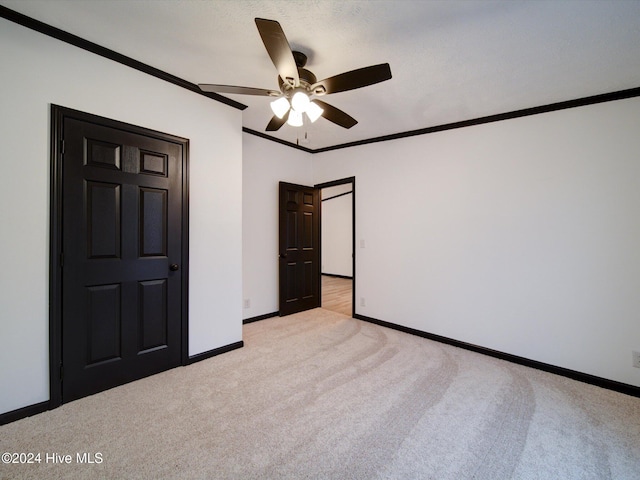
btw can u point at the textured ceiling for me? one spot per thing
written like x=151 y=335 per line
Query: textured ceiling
x=451 y=60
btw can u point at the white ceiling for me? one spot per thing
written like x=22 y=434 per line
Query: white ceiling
x=451 y=60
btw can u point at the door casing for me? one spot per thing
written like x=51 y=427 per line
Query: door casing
x=58 y=115
x=334 y=183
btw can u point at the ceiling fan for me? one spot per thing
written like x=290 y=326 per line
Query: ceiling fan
x=298 y=86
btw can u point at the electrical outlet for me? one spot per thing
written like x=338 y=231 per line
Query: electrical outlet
x=247 y=303
x=362 y=302
x=636 y=359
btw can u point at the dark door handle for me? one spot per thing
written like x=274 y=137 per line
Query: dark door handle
x=174 y=267
x=283 y=255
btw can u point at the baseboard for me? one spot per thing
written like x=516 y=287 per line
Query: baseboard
x=260 y=317
x=198 y=357
x=337 y=276
x=564 y=372
x=37 y=408
x=23 y=412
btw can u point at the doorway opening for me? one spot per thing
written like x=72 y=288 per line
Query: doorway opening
x=338 y=262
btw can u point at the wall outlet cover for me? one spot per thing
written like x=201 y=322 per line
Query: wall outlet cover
x=636 y=358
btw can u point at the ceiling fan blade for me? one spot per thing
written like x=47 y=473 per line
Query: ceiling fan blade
x=279 y=50
x=335 y=115
x=208 y=87
x=275 y=123
x=358 y=78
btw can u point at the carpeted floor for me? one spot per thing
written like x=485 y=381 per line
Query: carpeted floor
x=322 y=395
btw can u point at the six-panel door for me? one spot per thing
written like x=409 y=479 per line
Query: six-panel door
x=122 y=230
x=299 y=255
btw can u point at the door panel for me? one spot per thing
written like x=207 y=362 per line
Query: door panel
x=153 y=222
x=103 y=323
x=121 y=231
x=153 y=314
x=103 y=212
x=299 y=248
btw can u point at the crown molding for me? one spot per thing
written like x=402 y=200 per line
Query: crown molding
x=54 y=32
x=79 y=42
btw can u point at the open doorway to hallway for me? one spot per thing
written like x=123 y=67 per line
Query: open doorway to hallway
x=337 y=253
x=337 y=294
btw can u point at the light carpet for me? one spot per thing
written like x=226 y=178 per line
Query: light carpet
x=321 y=395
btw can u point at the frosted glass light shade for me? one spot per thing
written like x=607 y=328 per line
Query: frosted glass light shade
x=300 y=102
x=314 y=111
x=280 y=107
x=295 y=118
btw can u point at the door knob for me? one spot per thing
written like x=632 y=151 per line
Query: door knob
x=283 y=255
x=174 y=267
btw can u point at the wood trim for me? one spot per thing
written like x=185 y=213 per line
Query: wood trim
x=58 y=114
x=276 y=140
x=55 y=259
x=564 y=372
x=79 y=42
x=552 y=107
x=23 y=412
x=260 y=317
x=335 y=183
x=185 y=250
x=335 y=275
x=37 y=408
x=198 y=357
x=336 y=196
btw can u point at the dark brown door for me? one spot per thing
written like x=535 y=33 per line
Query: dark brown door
x=299 y=248
x=121 y=243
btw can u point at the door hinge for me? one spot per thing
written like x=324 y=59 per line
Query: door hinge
x=61 y=260
x=62 y=146
x=61 y=372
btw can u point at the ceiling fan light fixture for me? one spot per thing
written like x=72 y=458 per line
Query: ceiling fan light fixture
x=297 y=85
x=314 y=111
x=295 y=118
x=280 y=107
x=300 y=101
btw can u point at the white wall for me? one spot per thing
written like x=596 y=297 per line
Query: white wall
x=38 y=71
x=520 y=236
x=265 y=164
x=337 y=230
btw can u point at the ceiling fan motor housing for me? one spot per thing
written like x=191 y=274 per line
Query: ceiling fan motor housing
x=307 y=78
